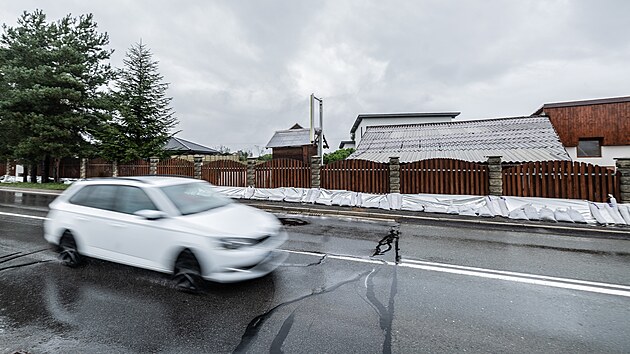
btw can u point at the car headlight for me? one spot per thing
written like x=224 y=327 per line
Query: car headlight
x=234 y=243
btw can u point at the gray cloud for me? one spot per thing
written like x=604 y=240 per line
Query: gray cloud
x=239 y=70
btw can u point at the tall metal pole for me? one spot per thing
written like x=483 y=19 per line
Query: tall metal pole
x=321 y=131
x=312 y=133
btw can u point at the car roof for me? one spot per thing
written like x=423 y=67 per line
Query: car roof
x=146 y=180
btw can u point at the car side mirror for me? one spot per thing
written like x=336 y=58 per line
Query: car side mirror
x=150 y=214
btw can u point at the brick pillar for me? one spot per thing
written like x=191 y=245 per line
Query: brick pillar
x=115 y=169
x=83 y=169
x=623 y=167
x=495 y=176
x=153 y=161
x=198 y=159
x=315 y=171
x=251 y=172
x=8 y=168
x=394 y=174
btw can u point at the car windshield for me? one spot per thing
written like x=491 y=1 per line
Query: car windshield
x=191 y=198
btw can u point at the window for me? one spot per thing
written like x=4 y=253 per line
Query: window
x=101 y=197
x=131 y=199
x=191 y=198
x=589 y=147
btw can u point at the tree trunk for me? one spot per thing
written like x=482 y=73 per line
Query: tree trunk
x=45 y=172
x=34 y=173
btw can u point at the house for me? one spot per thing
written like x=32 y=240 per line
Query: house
x=516 y=140
x=364 y=121
x=295 y=143
x=595 y=131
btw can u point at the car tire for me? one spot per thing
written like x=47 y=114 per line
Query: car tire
x=187 y=273
x=68 y=252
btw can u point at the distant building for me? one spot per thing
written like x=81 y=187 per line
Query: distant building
x=364 y=121
x=295 y=143
x=515 y=139
x=594 y=131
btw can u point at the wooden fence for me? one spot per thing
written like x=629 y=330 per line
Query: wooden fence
x=3 y=169
x=283 y=173
x=561 y=179
x=225 y=173
x=444 y=176
x=356 y=175
x=175 y=166
x=98 y=168
x=134 y=168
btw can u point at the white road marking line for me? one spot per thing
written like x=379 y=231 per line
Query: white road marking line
x=24 y=216
x=564 y=283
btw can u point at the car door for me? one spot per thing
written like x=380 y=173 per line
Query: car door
x=143 y=242
x=93 y=220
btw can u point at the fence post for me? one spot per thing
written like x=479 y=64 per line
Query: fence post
x=83 y=169
x=251 y=172
x=495 y=176
x=394 y=174
x=623 y=167
x=115 y=169
x=198 y=159
x=153 y=161
x=315 y=171
x=7 y=171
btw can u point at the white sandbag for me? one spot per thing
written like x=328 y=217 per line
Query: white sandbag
x=531 y=212
x=394 y=200
x=384 y=203
x=598 y=215
x=249 y=192
x=231 y=192
x=546 y=214
x=503 y=207
x=485 y=212
x=562 y=215
x=294 y=195
x=466 y=210
x=311 y=195
x=494 y=209
x=432 y=208
x=372 y=200
x=576 y=216
x=410 y=203
x=624 y=210
x=614 y=213
x=344 y=198
x=276 y=194
x=518 y=214
x=452 y=209
x=325 y=197
x=261 y=194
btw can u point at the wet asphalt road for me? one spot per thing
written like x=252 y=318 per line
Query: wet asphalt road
x=349 y=285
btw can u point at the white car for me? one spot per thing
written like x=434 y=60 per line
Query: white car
x=167 y=224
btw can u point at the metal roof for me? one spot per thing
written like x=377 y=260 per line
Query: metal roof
x=360 y=117
x=517 y=139
x=292 y=137
x=183 y=146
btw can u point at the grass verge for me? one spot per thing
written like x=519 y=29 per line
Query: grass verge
x=49 y=186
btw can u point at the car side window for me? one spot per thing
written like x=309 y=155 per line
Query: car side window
x=131 y=199
x=101 y=197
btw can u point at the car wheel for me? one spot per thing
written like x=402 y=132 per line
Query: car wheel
x=68 y=254
x=187 y=273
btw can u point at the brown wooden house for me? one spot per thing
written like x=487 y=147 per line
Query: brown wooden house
x=294 y=143
x=594 y=131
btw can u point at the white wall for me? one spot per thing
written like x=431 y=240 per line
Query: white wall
x=609 y=153
x=369 y=122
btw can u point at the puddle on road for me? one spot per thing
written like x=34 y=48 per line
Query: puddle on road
x=293 y=221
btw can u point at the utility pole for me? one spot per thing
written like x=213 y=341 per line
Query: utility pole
x=320 y=142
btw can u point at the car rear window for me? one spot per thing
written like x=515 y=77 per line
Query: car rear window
x=101 y=197
x=192 y=198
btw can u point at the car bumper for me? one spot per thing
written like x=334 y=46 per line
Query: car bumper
x=230 y=275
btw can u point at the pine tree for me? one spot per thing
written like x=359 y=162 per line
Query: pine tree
x=144 y=118
x=52 y=77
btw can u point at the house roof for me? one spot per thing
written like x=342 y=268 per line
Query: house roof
x=583 y=103
x=183 y=147
x=360 y=117
x=292 y=137
x=516 y=139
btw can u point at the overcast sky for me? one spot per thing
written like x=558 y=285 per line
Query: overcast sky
x=240 y=70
